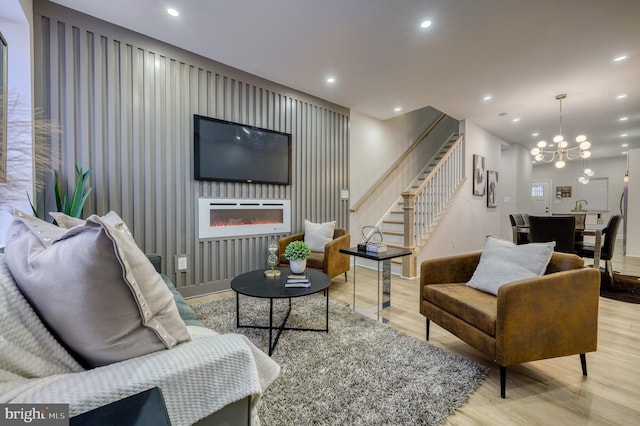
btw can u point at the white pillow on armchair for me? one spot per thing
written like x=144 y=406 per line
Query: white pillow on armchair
x=317 y=235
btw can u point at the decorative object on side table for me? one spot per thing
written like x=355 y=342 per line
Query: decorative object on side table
x=372 y=240
x=272 y=260
x=297 y=252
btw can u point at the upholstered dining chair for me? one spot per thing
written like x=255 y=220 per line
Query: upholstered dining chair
x=561 y=229
x=584 y=249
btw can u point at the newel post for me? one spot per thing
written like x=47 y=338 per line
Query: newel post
x=409 y=267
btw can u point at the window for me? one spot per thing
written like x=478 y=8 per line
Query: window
x=537 y=190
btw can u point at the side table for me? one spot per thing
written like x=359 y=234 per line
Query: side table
x=384 y=260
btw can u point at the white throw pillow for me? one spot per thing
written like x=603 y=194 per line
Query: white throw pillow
x=94 y=288
x=503 y=262
x=317 y=235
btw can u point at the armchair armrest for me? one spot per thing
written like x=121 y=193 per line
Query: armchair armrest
x=548 y=316
x=452 y=269
x=284 y=242
x=335 y=262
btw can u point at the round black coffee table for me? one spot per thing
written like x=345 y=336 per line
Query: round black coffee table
x=255 y=284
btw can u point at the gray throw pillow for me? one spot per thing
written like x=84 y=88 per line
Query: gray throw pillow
x=503 y=262
x=94 y=288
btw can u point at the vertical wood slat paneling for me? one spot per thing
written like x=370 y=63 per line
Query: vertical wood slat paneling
x=127 y=111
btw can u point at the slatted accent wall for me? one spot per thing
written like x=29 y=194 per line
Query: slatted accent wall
x=125 y=105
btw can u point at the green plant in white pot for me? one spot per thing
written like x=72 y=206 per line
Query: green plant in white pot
x=297 y=252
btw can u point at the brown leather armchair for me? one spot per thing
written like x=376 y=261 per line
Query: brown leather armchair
x=331 y=262
x=549 y=316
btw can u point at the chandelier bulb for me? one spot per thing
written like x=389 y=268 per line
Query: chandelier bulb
x=542 y=144
x=560 y=164
x=581 y=138
x=535 y=151
x=563 y=144
x=585 y=154
x=538 y=157
x=585 y=145
x=558 y=138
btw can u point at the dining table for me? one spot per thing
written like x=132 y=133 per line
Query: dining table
x=593 y=230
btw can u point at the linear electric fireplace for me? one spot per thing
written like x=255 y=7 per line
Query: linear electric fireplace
x=224 y=217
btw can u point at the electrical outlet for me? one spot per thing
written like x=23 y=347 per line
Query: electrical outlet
x=181 y=262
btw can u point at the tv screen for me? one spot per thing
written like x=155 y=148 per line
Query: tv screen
x=234 y=152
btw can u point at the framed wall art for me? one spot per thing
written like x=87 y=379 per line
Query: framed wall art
x=492 y=188
x=478 y=175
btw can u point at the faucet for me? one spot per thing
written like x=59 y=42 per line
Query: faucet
x=579 y=205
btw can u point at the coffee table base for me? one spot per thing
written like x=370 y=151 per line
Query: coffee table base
x=273 y=342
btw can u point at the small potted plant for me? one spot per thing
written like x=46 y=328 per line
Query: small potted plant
x=297 y=252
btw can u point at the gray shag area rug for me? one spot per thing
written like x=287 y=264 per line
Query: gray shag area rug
x=360 y=373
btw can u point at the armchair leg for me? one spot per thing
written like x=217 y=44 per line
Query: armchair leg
x=427 y=329
x=583 y=361
x=503 y=381
x=345 y=277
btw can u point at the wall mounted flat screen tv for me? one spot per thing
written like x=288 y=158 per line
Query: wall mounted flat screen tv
x=233 y=152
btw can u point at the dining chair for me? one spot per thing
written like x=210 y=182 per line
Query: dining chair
x=585 y=249
x=517 y=220
x=561 y=229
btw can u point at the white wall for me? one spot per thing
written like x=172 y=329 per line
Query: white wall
x=515 y=184
x=374 y=147
x=633 y=206
x=469 y=220
x=613 y=168
x=14 y=25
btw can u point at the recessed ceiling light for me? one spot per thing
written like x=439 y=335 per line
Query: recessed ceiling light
x=173 y=12
x=624 y=152
x=624 y=145
x=625 y=118
x=621 y=96
x=331 y=80
x=487 y=98
x=620 y=58
x=535 y=134
x=397 y=109
x=624 y=135
x=515 y=120
x=425 y=24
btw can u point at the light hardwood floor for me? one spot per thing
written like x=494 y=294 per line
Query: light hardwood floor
x=547 y=392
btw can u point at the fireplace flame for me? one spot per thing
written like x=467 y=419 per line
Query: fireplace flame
x=243 y=222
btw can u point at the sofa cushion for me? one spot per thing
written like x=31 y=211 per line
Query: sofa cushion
x=503 y=262
x=472 y=306
x=94 y=288
x=317 y=235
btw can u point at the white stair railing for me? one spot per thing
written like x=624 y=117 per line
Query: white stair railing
x=425 y=204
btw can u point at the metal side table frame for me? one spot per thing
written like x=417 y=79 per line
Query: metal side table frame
x=383 y=259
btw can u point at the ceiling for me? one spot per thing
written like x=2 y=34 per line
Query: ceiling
x=522 y=53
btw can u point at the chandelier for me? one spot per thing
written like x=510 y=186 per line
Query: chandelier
x=562 y=151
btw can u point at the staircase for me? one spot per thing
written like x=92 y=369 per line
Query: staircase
x=414 y=216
